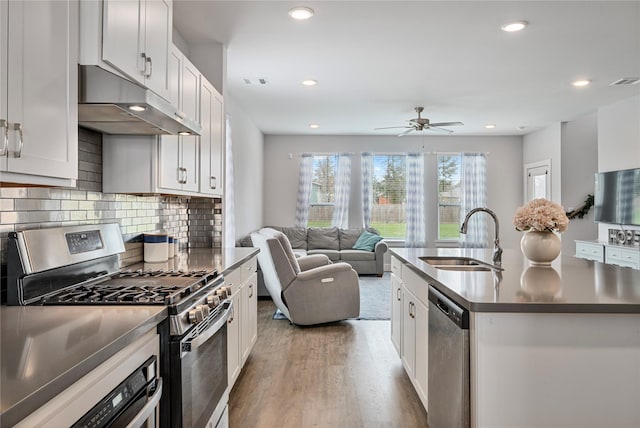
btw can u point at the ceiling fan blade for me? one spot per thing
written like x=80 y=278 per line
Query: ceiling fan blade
x=393 y=127
x=446 y=124
x=407 y=131
x=435 y=128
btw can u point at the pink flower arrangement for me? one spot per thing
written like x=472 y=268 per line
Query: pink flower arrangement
x=541 y=215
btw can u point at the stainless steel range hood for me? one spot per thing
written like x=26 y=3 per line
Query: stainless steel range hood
x=114 y=105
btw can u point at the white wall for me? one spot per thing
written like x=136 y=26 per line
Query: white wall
x=542 y=145
x=579 y=164
x=618 y=142
x=504 y=172
x=248 y=144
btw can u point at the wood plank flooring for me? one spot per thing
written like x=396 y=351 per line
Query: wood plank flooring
x=344 y=374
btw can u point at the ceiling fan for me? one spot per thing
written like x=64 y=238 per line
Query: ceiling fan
x=422 y=123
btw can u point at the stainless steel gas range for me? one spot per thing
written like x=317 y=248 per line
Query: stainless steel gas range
x=79 y=265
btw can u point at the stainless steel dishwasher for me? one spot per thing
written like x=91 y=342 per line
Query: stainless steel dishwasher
x=448 y=363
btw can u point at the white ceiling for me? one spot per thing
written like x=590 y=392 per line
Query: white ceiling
x=376 y=60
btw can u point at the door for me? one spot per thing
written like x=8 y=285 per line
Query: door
x=249 y=316
x=211 y=140
x=233 y=340
x=421 y=314
x=158 y=18
x=396 y=312
x=122 y=37
x=408 y=353
x=538 y=180
x=41 y=110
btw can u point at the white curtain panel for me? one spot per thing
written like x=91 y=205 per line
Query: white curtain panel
x=342 y=186
x=416 y=235
x=304 y=189
x=473 y=194
x=229 y=197
x=367 y=188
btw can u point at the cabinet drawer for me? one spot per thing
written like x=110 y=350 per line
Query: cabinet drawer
x=623 y=257
x=396 y=266
x=416 y=284
x=590 y=251
x=249 y=268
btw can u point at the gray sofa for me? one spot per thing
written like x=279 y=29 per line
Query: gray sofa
x=337 y=244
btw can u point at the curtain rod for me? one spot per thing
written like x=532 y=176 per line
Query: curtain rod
x=455 y=153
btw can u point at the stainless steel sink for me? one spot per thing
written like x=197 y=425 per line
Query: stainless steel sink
x=464 y=268
x=457 y=263
x=449 y=261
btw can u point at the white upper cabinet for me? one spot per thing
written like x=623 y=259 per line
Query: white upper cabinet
x=179 y=155
x=136 y=35
x=39 y=92
x=211 y=140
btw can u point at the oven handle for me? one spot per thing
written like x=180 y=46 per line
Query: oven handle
x=148 y=408
x=213 y=328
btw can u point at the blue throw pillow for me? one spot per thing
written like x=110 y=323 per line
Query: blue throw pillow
x=367 y=241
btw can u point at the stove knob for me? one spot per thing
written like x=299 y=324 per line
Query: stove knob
x=213 y=301
x=223 y=292
x=196 y=315
x=204 y=309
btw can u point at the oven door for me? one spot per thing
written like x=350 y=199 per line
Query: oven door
x=200 y=398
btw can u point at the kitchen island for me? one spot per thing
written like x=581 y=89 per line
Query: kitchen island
x=548 y=346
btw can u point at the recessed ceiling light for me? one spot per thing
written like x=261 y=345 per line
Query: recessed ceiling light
x=136 y=107
x=314 y=126
x=184 y=133
x=514 y=26
x=583 y=82
x=301 y=13
x=490 y=125
x=309 y=82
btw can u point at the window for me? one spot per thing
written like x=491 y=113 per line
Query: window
x=322 y=198
x=449 y=197
x=389 y=195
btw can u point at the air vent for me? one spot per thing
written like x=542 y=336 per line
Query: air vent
x=258 y=80
x=625 y=81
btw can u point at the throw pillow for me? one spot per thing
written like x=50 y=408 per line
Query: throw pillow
x=367 y=241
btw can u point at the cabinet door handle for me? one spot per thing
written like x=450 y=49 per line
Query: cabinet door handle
x=18 y=127
x=398 y=294
x=250 y=290
x=150 y=62
x=5 y=137
x=185 y=176
x=143 y=67
x=212 y=182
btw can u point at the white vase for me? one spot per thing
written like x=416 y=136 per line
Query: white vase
x=541 y=248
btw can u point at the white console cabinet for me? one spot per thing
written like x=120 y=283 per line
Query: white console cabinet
x=613 y=254
x=39 y=92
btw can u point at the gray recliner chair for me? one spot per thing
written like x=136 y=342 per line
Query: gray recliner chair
x=307 y=290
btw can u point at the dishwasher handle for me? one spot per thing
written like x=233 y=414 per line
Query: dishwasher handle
x=456 y=313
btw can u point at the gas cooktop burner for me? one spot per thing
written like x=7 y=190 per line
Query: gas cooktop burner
x=135 y=287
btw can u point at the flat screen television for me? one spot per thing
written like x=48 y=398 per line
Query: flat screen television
x=617 y=197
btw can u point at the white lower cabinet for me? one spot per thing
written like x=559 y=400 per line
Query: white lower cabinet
x=410 y=324
x=242 y=327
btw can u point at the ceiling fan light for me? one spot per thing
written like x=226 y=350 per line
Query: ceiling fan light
x=514 y=26
x=301 y=13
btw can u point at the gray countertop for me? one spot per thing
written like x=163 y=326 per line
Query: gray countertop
x=45 y=349
x=570 y=284
x=224 y=260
